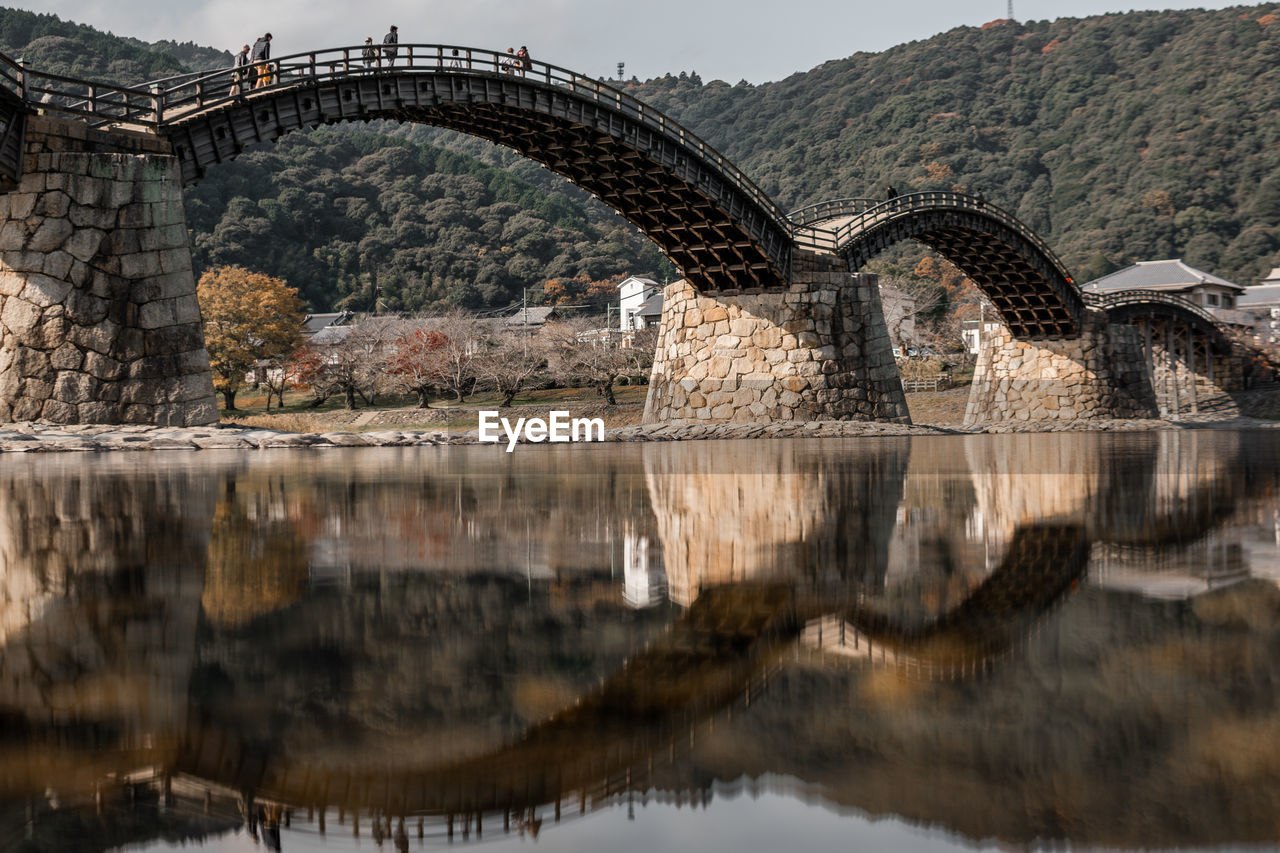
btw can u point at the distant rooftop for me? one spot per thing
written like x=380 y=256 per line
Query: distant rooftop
x=537 y=316
x=1156 y=275
x=647 y=282
x=316 y=322
x=331 y=335
x=652 y=306
x=1260 y=296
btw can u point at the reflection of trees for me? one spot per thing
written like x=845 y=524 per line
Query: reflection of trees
x=409 y=667
x=257 y=559
x=639 y=712
x=473 y=510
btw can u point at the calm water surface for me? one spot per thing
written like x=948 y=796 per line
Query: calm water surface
x=994 y=642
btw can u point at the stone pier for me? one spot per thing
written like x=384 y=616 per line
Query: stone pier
x=817 y=351
x=98 y=315
x=1101 y=374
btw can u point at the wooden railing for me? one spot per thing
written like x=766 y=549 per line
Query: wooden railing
x=862 y=218
x=831 y=209
x=166 y=100
x=99 y=103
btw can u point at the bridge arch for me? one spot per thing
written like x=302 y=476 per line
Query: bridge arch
x=713 y=223
x=1186 y=353
x=1028 y=285
x=1138 y=306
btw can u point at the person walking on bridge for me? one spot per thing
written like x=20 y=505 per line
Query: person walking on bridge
x=240 y=74
x=370 y=54
x=389 y=42
x=524 y=61
x=261 y=74
x=890 y=193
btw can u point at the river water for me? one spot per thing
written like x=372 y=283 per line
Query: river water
x=930 y=643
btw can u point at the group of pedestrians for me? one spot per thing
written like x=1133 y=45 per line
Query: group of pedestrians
x=253 y=69
x=517 y=62
x=374 y=55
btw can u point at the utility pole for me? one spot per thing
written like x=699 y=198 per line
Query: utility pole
x=623 y=65
x=1010 y=15
x=982 y=326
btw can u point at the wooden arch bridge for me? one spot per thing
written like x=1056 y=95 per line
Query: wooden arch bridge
x=769 y=273
x=713 y=222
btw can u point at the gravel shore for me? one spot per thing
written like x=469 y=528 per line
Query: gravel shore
x=49 y=438
x=940 y=413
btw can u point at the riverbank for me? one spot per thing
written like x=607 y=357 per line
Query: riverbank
x=50 y=438
x=938 y=413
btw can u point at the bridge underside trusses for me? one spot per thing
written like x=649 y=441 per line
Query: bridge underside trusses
x=1171 y=321
x=1035 y=298
x=716 y=230
x=1188 y=357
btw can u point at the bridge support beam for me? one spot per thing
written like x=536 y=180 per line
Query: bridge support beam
x=817 y=351
x=98 y=315
x=1101 y=374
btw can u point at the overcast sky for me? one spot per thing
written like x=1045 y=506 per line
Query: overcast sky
x=726 y=39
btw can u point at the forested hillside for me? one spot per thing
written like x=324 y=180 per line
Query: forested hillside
x=1118 y=138
x=50 y=44
x=1122 y=137
x=337 y=213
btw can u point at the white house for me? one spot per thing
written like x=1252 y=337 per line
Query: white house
x=974 y=332
x=639 y=303
x=643 y=577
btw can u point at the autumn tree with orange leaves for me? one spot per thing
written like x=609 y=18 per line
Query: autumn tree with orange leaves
x=248 y=317
x=580 y=290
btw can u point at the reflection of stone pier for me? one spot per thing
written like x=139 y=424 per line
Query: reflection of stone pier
x=821 y=515
x=1123 y=486
x=99 y=611
x=1150 y=503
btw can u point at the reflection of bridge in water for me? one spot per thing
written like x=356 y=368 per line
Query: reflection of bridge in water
x=745 y=613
